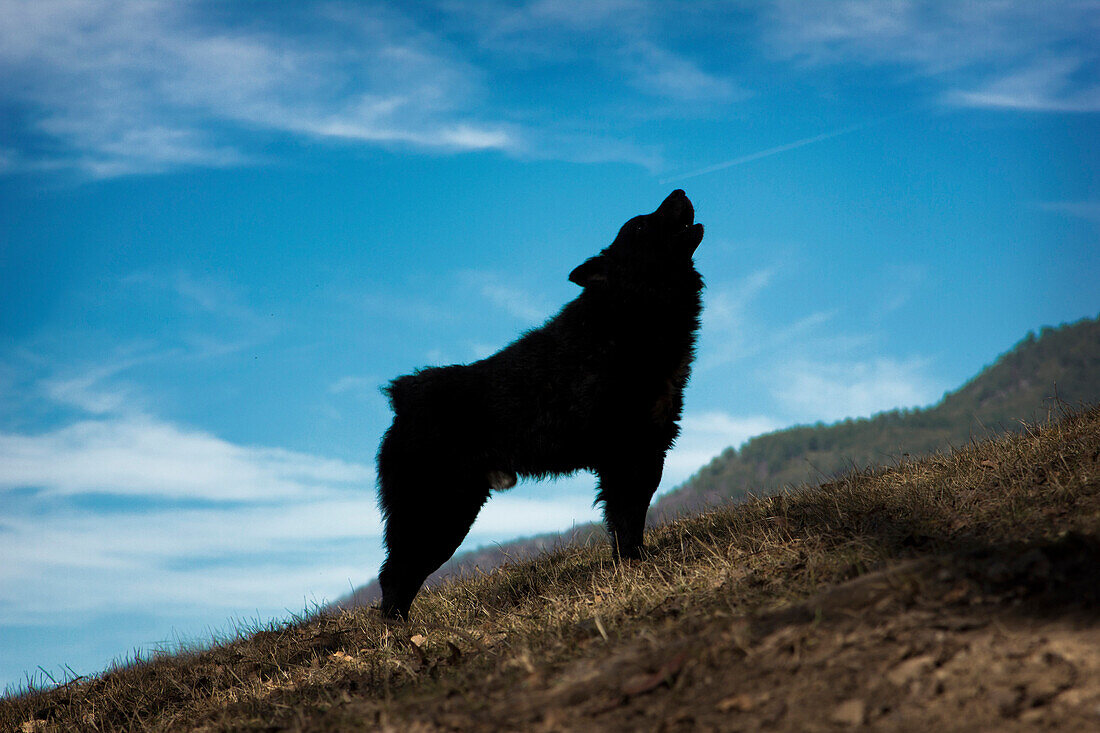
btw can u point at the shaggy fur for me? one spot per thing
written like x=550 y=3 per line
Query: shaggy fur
x=599 y=387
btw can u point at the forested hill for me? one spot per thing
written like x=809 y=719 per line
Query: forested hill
x=1020 y=385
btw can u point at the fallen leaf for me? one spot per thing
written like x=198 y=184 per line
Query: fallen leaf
x=910 y=669
x=956 y=594
x=641 y=683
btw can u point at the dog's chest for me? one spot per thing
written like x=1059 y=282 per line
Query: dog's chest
x=670 y=400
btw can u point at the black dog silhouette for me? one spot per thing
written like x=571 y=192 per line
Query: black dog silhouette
x=599 y=387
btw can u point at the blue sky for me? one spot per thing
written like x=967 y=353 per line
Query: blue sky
x=224 y=225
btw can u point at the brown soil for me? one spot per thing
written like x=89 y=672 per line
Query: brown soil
x=926 y=645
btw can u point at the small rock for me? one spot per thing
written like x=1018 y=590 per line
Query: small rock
x=1007 y=702
x=740 y=703
x=1053 y=675
x=850 y=712
x=1032 y=716
x=910 y=669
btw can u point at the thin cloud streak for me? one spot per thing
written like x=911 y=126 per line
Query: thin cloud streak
x=776 y=150
x=1087 y=210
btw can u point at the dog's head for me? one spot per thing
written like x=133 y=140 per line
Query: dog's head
x=650 y=246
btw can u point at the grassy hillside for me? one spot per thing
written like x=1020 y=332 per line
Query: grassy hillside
x=954 y=592
x=1019 y=385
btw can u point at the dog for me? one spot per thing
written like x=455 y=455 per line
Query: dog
x=598 y=387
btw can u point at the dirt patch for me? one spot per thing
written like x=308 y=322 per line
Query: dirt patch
x=938 y=644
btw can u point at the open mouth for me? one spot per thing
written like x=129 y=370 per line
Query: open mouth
x=691 y=236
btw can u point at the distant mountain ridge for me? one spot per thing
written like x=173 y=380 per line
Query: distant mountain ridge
x=1060 y=363
x=1022 y=384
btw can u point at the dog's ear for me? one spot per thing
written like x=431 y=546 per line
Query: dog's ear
x=591 y=271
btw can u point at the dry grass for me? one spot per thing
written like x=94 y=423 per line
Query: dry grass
x=572 y=638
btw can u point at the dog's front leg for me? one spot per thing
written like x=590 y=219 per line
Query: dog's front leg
x=626 y=487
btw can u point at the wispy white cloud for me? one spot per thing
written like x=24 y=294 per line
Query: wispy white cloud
x=142 y=86
x=578 y=15
x=1011 y=55
x=725 y=335
x=127 y=512
x=217 y=560
x=93 y=390
x=1046 y=85
x=513 y=514
x=898 y=283
x=658 y=72
x=726 y=304
x=541 y=28
x=621 y=38
x=354 y=384
x=516 y=302
x=150 y=86
x=732 y=332
x=706 y=434
x=399 y=306
x=142 y=456
x=480 y=350
x=216 y=317
x=207 y=294
x=811 y=391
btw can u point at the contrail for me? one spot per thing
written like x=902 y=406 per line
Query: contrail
x=777 y=149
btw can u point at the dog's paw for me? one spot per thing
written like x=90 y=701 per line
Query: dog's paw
x=631 y=553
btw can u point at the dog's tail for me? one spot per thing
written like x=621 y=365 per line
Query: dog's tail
x=404 y=393
x=397 y=392
x=437 y=387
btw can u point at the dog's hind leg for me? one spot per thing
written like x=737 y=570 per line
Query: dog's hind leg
x=421 y=534
x=626 y=487
x=428 y=511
